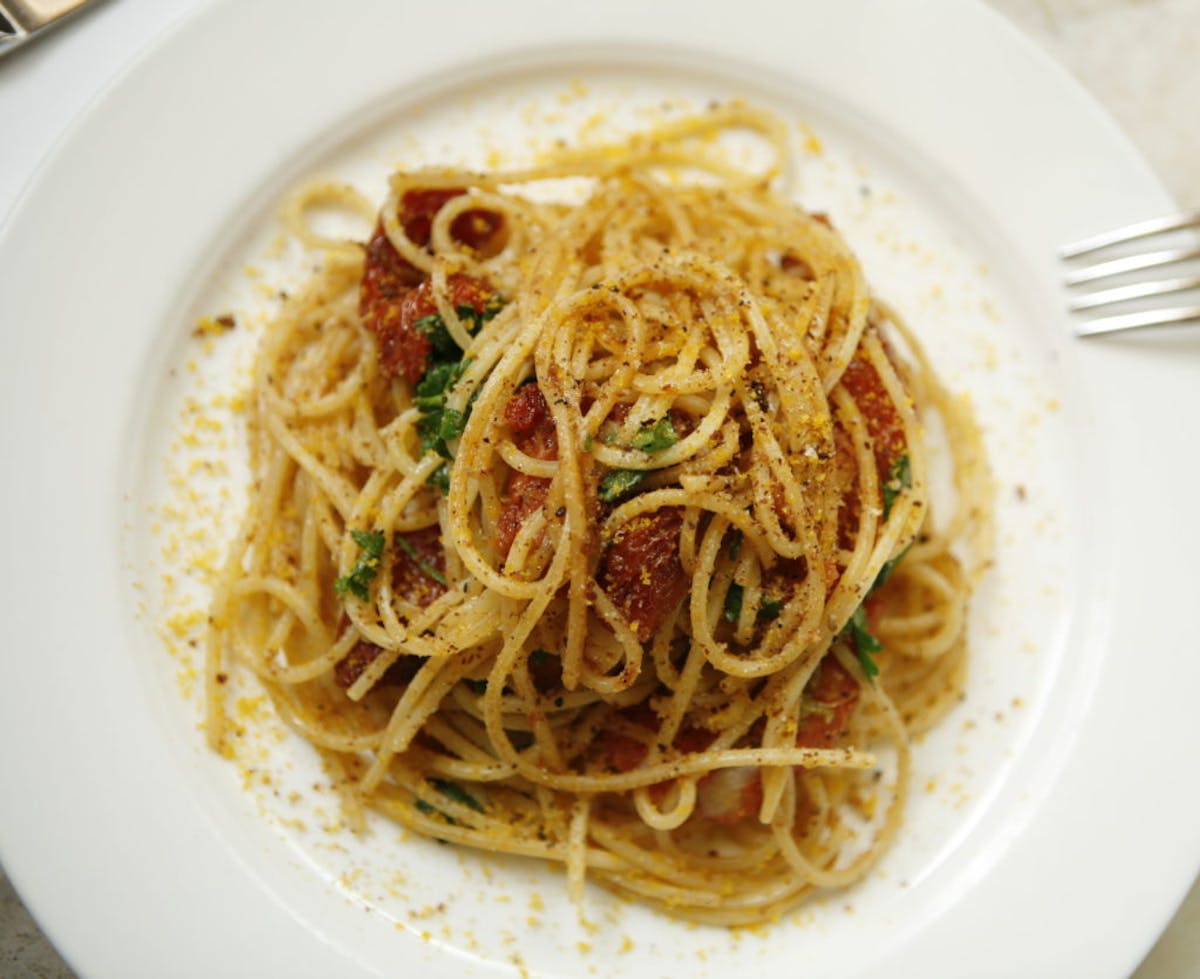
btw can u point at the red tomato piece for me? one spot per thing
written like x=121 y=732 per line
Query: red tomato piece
x=641 y=570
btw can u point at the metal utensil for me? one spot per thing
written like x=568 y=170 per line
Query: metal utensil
x=1126 y=270
x=23 y=20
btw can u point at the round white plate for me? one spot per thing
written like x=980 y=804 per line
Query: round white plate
x=1053 y=827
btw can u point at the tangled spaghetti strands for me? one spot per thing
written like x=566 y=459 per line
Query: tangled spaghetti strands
x=641 y=642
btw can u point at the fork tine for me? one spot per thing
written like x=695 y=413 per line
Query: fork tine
x=1130 y=263
x=1133 y=321
x=1131 y=232
x=1137 y=290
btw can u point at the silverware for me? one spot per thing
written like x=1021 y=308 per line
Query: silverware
x=23 y=20
x=1110 y=259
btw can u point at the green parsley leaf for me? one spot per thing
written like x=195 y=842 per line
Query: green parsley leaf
x=886 y=571
x=864 y=643
x=428 y=810
x=655 y=436
x=440 y=478
x=770 y=609
x=434 y=327
x=430 y=393
x=899 y=478
x=733 y=602
x=358 y=581
x=452 y=790
x=439 y=424
x=734 y=547
x=427 y=569
x=620 y=482
x=478 y=687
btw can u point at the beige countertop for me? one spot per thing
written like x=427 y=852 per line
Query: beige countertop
x=1141 y=59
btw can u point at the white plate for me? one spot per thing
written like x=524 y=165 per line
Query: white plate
x=1053 y=830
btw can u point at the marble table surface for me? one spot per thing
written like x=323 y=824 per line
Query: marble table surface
x=1139 y=58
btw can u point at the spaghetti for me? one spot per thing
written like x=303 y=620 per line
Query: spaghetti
x=598 y=530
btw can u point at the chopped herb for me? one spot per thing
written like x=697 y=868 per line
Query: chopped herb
x=619 y=483
x=655 y=436
x=760 y=396
x=427 y=569
x=770 y=609
x=434 y=327
x=439 y=424
x=428 y=810
x=539 y=657
x=733 y=602
x=899 y=478
x=358 y=581
x=587 y=442
x=452 y=790
x=735 y=544
x=886 y=571
x=864 y=643
x=440 y=478
x=477 y=686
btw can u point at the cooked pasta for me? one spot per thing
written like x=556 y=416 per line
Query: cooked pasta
x=591 y=521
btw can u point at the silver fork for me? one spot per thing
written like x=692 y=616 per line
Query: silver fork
x=23 y=20
x=1101 y=257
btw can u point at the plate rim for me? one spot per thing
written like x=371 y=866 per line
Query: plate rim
x=58 y=167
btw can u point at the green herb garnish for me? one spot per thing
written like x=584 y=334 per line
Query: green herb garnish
x=477 y=686
x=734 y=546
x=770 y=609
x=886 y=571
x=427 y=569
x=899 y=478
x=452 y=790
x=619 y=483
x=440 y=478
x=434 y=327
x=865 y=644
x=733 y=602
x=655 y=436
x=438 y=424
x=358 y=581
